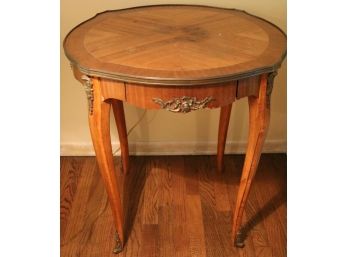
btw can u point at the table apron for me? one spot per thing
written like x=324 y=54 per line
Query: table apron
x=165 y=97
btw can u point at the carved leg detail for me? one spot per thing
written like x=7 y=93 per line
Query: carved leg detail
x=225 y=113
x=99 y=123
x=259 y=115
x=118 y=110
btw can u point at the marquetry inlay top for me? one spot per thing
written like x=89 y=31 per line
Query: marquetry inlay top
x=178 y=45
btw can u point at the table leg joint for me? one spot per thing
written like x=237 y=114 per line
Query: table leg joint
x=270 y=80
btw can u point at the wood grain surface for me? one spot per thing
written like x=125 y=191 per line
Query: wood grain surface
x=225 y=113
x=118 y=110
x=174 y=206
x=175 y=44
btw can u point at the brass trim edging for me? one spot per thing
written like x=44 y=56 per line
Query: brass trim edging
x=175 y=82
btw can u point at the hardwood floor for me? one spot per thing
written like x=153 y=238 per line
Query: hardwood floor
x=174 y=206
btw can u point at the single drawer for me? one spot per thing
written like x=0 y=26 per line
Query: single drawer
x=181 y=99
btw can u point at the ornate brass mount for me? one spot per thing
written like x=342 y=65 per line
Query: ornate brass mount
x=88 y=85
x=118 y=247
x=270 y=80
x=184 y=104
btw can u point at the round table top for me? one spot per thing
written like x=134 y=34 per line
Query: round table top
x=175 y=45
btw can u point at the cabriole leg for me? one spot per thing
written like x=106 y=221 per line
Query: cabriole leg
x=99 y=123
x=117 y=106
x=225 y=113
x=259 y=116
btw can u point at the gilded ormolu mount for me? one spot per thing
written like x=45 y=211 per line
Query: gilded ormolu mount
x=183 y=104
x=88 y=85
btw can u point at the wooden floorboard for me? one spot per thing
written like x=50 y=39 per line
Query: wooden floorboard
x=175 y=206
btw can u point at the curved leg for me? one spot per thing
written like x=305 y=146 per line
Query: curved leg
x=259 y=115
x=225 y=113
x=99 y=123
x=117 y=106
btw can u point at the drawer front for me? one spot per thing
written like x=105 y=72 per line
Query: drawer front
x=181 y=99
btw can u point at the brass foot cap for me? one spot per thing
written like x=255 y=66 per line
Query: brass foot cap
x=117 y=249
x=119 y=246
x=239 y=244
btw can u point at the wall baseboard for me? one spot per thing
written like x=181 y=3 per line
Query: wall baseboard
x=172 y=148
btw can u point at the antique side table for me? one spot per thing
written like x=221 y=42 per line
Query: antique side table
x=179 y=58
